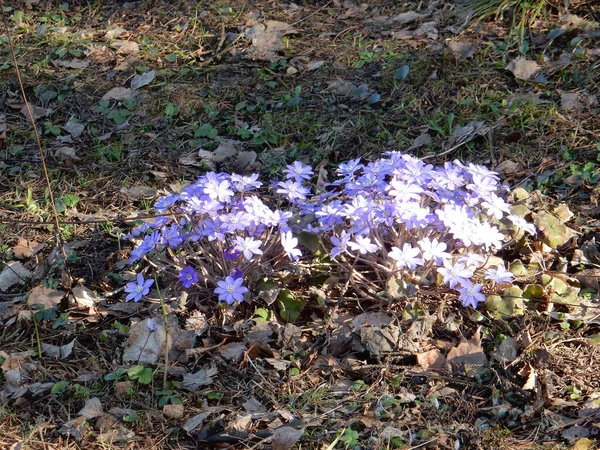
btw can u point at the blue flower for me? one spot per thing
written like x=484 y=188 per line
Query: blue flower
x=188 y=276
x=137 y=289
x=231 y=290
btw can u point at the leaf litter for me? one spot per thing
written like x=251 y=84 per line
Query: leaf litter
x=385 y=352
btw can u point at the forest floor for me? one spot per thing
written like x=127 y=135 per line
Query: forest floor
x=133 y=100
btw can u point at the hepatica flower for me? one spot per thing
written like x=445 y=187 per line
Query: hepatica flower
x=230 y=290
x=407 y=257
x=499 y=275
x=188 y=276
x=248 y=246
x=455 y=273
x=395 y=213
x=470 y=294
x=363 y=245
x=298 y=172
x=137 y=289
x=290 y=244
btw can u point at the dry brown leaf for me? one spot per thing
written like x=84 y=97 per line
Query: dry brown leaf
x=91 y=409
x=203 y=377
x=569 y=101
x=45 y=297
x=72 y=63
x=284 y=438
x=529 y=373
x=431 y=359
x=466 y=354
x=36 y=111
x=119 y=93
x=507 y=351
x=234 y=351
x=173 y=411
x=26 y=249
x=522 y=68
x=125 y=47
x=462 y=50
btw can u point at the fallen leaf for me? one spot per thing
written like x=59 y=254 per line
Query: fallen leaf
x=583 y=444
x=431 y=359
x=114 y=32
x=341 y=87
x=196 y=421
x=74 y=128
x=279 y=364
x=284 y=438
x=203 y=377
x=462 y=50
x=529 y=373
x=25 y=249
x=125 y=47
x=420 y=141
x=405 y=17
x=144 y=346
x=173 y=411
x=75 y=428
x=84 y=297
x=241 y=422
x=266 y=39
x=466 y=355
x=118 y=93
x=576 y=433
x=45 y=297
x=314 y=65
x=62 y=352
x=91 y=409
x=72 y=63
x=507 y=351
x=377 y=320
x=252 y=405
x=36 y=111
x=142 y=80
x=569 y=101
x=523 y=68
x=138 y=192
x=234 y=351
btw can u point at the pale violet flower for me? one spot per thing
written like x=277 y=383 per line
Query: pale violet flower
x=290 y=244
x=522 y=224
x=499 y=274
x=137 y=289
x=470 y=294
x=454 y=274
x=248 y=246
x=298 y=171
x=432 y=249
x=363 y=245
x=340 y=244
x=407 y=257
x=231 y=290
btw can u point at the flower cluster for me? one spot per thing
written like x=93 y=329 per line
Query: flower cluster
x=221 y=231
x=394 y=217
x=401 y=216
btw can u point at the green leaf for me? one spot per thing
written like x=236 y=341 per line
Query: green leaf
x=534 y=291
x=116 y=375
x=402 y=72
x=309 y=240
x=290 y=307
x=555 y=33
x=261 y=314
x=140 y=373
x=60 y=387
